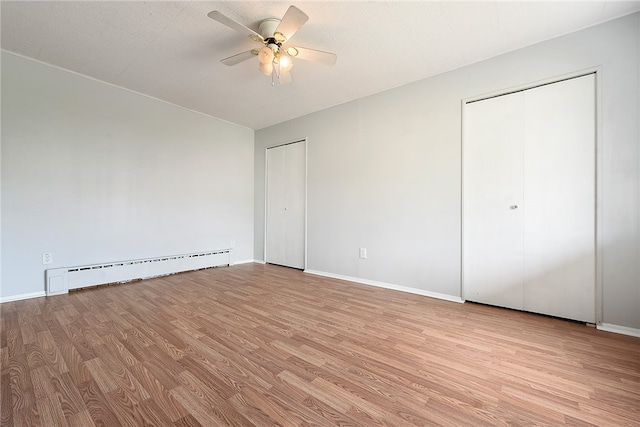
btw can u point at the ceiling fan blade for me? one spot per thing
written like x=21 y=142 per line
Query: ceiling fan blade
x=307 y=54
x=240 y=57
x=235 y=25
x=291 y=22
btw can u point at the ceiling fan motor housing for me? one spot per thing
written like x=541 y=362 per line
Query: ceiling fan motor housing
x=268 y=27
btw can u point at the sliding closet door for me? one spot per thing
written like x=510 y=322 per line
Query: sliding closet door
x=286 y=194
x=529 y=200
x=559 y=221
x=493 y=231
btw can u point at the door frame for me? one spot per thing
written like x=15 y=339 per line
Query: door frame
x=266 y=192
x=598 y=184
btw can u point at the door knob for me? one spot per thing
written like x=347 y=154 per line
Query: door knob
x=514 y=207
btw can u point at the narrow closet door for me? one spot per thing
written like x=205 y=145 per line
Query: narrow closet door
x=296 y=204
x=276 y=230
x=493 y=234
x=559 y=196
x=286 y=187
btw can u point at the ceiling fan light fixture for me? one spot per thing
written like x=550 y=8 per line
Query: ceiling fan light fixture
x=266 y=68
x=265 y=55
x=286 y=64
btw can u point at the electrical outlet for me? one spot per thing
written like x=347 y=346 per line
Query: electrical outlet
x=363 y=253
x=47 y=258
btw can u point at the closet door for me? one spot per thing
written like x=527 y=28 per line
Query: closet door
x=559 y=198
x=493 y=233
x=286 y=193
x=529 y=200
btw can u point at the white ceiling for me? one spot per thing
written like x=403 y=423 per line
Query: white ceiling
x=171 y=50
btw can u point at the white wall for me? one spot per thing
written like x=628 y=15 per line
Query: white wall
x=384 y=172
x=93 y=173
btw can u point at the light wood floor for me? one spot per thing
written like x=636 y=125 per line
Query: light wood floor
x=268 y=346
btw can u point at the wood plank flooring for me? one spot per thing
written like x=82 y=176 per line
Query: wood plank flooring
x=256 y=345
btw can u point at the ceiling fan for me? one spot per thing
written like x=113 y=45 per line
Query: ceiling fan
x=274 y=56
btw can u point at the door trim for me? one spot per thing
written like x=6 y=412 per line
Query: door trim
x=598 y=184
x=266 y=193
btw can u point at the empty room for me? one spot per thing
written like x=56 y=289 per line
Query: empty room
x=321 y=213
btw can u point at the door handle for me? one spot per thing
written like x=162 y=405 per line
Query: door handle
x=514 y=207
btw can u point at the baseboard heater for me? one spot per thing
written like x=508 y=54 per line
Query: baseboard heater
x=61 y=280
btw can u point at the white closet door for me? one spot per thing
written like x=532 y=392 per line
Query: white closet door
x=559 y=191
x=286 y=186
x=534 y=149
x=493 y=232
x=276 y=231
x=295 y=209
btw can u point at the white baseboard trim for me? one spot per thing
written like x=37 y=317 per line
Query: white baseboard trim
x=23 y=296
x=625 y=330
x=388 y=286
x=259 y=261
x=246 y=261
